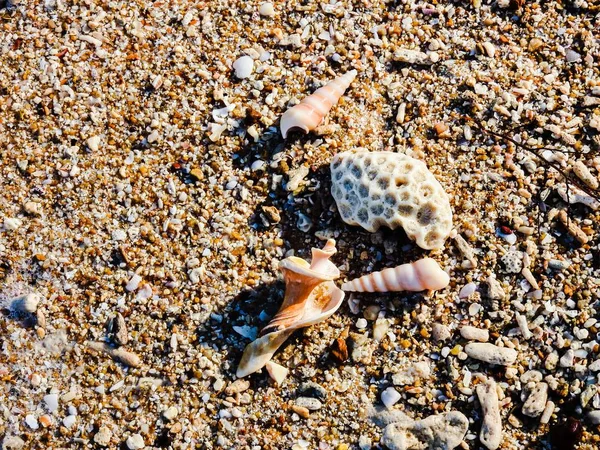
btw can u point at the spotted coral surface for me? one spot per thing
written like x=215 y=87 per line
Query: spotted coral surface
x=374 y=189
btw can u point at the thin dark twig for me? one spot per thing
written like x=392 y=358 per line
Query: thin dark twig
x=536 y=151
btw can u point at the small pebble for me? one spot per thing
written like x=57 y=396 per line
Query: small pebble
x=170 y=413
x=491 y=353
x=390 y=397
x=135 y=442
x=361 y=323
x=51 y=401
x=309 y=403
x=267 y=10
x=277 y=372
x=93 y=143
x=32 y=422
x=69 y=421
x=474 y=334
x=243 y=67
x=103 y=436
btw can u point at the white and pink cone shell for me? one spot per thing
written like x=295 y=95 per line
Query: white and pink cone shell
x=310 y=112
x=424 y=274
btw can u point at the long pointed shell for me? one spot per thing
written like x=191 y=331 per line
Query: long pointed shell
x=418 y=276
x=309 y=113
x=310 y=297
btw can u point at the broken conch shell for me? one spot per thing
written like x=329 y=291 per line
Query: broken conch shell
x=424 y=274
x=310 y=297
x=311 y=111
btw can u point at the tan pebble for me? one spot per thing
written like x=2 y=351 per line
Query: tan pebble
x=33 y=208
x=534 y=44
x=176 y=428
x=301 y=411
x=238 y=386
x=41 y=333
x=489 y=48
x=441 y=129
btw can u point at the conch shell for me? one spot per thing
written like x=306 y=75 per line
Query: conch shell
x=421 y=275
x=309 y=113
x=310 y=297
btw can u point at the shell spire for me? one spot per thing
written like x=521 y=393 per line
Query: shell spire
x=310 y=297
x=424 y=274
x=309 y=113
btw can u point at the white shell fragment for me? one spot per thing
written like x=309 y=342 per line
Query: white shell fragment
x=372 y=189
x=424 y=274
x=243 y=67
x=310 y=297
x=442 y=431
x=491 y=429
x=277 y=372
x=491 y=353
x=311 y=111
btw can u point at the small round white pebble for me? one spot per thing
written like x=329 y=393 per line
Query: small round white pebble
x=266 y=9
x=243 y=67
x=135 y=442
x=390 y=397
x=361 y=323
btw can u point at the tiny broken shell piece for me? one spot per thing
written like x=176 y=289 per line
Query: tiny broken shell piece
x=276 y=372
x=310 y=297
x=424 y=274
x=310 y=112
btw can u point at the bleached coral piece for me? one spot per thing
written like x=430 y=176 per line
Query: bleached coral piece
x=311 y=111
x=418 y=276
x=372 y=189
x=310 y=297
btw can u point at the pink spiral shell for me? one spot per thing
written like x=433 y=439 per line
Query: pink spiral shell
x=309 y=113
x=421 y=275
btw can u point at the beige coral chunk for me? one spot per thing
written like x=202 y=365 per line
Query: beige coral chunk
x=372 y=189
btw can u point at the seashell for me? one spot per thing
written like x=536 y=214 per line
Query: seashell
x=310 y=297
x=421 y=275
x=309 y=113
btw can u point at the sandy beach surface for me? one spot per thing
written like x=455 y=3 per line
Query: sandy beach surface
x=147 y=198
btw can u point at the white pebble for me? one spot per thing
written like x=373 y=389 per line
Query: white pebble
x=32 y=422
x=25 y=304
x=69 y=421
x=135 y=442
x=467 y=290
x=93 y=143
x=361 y=323
x=51 y=401
x=474 y=334
x=491 y=353
x=390 y=397
x=243 y=67
x=267 y=10
x=12 y=223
